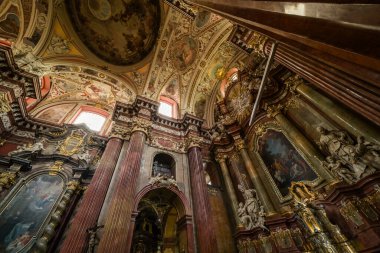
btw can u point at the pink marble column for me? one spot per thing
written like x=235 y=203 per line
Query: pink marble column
x=92 y=202
x=118 y=219
x=201 y=205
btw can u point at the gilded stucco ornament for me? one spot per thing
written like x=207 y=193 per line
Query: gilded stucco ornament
x=142 y=125
x=167 y=144
x=220 y=158
x=239 y=144
x=293 y=82
x=56 y=167
x=194 y=141
x=292 y=103
x=120 y=132
x=273 y=110
x=72 y=144
x=7 y=179
x=258 y=42
x=4 y=103
x=323 y=234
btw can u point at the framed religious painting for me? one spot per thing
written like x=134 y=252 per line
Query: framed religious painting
x=282 y=162
x=24 y=214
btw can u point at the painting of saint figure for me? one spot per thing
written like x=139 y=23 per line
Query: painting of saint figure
x=184 y=53
x=27 y=211
x=283 y=161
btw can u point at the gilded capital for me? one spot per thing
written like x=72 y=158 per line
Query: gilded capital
x=142 y=125
x=220 y=158
x=193 y=141
x=120 y=132
x=7 y=179
x=292 y=102
x=293 y=82
x=72 y=185
x=274 y=110
x=239 y=144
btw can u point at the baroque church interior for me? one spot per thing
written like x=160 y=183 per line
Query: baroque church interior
x=185 y=126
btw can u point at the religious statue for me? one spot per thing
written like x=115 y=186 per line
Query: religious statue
x=347 y=158
x=251 y=213
x=245 y=219
x=34 y=148
x=339 y=171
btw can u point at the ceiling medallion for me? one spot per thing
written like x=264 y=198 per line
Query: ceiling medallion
x=119 y=32
x=184 y=53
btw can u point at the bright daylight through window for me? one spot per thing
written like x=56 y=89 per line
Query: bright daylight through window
x=166 y=109
x=92 y=120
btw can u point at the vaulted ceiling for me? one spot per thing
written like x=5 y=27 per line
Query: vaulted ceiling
x=97 y=52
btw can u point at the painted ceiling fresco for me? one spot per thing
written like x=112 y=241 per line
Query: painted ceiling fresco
x=117 y=31
x=189 y=53
x=187 y=57
x=76 y=84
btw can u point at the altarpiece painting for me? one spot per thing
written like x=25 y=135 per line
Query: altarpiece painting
x=283 y=161
x=24 y=215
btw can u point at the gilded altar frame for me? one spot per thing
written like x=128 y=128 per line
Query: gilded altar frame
x=259 y=131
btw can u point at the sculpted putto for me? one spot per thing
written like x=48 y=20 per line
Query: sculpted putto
x=163 y=180
x=348 y=161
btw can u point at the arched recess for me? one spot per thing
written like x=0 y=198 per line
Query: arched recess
x=164 y=164
x=26 y=210
x=173 y=213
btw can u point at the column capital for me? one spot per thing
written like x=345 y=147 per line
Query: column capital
x=220 y=157
x=142 y=125
x=274 y=110
x=120 y=132
x=293 y=82
x=239 y=144
x=193 y=141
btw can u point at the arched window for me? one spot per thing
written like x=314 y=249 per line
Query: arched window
x=168 y=107
x=163 y=164
x=93 y=118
